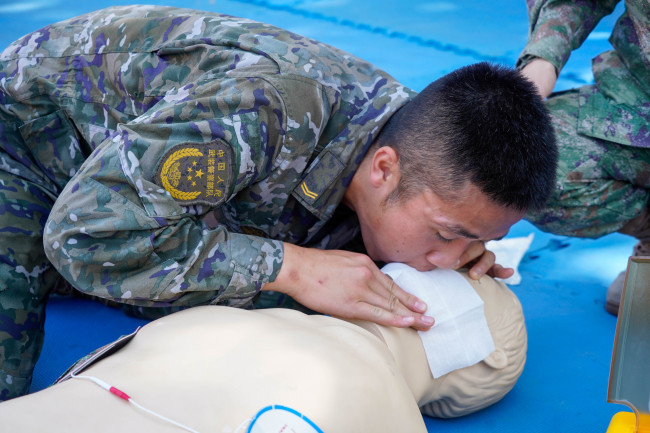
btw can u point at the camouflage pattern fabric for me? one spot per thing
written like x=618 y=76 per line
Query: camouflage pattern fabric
x=601 y=184
x=143 y=123
x=26 y=278
x=602 y=129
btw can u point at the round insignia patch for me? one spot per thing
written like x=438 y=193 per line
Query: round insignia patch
x=197 y=173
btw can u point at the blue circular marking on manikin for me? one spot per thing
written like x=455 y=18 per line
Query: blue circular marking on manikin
x=289 y=410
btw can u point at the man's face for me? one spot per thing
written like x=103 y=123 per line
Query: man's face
x=426 y=232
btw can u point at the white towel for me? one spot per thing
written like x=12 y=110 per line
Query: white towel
x=460 y=336
x=509 y=253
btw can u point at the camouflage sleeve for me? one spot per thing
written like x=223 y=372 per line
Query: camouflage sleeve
x=128 y=226
x=559 y=27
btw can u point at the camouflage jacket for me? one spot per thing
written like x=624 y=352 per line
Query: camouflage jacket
x=617 y=109
x=188 y=113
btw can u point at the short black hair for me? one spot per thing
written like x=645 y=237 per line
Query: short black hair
x=482 y=123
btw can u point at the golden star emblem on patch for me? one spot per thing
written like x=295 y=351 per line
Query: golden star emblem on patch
x=198 y=173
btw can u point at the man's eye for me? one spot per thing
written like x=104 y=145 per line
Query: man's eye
x=443 y=239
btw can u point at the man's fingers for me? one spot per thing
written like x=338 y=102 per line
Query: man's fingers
x=473 y=251
x=412 y=303
x=393 y=300
x=386 y=302
x=482 y=261
x=482 y=265
x=383 y=302
x=499 y=271
x=387 y=309
x=384 y=317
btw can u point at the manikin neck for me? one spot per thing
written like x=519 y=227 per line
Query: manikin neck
x=410 y=357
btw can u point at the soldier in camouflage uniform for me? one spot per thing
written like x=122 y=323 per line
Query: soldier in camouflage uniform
x=603 y=183
x=184 y=158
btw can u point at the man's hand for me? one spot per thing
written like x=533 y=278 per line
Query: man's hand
x=482 y=261
x=347 y=285
x=543 y=74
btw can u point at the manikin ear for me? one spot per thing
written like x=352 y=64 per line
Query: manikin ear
x=497 y=359
x=384 y=168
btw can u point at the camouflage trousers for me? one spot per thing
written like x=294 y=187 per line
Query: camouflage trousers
x=26 y=275
x=26 y=278
x=601 y=185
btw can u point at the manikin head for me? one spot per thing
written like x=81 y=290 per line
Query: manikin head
x=468 y=389
x=454 y=165
x=472 y=388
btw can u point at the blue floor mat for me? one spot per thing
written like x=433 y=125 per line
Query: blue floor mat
x=564 y=385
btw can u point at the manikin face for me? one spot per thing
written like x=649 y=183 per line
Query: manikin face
x=426 y=232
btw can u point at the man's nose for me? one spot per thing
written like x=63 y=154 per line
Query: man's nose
x=447 y=256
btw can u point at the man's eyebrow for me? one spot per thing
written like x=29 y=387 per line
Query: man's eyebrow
x=461 y=231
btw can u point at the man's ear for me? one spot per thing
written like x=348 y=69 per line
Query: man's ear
x=497 y=359
x=384 y=168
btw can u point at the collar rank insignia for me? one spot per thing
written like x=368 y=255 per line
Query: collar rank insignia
x=197 y=173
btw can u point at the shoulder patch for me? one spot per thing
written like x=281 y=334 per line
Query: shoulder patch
x=198 y=173
x=320 y=177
